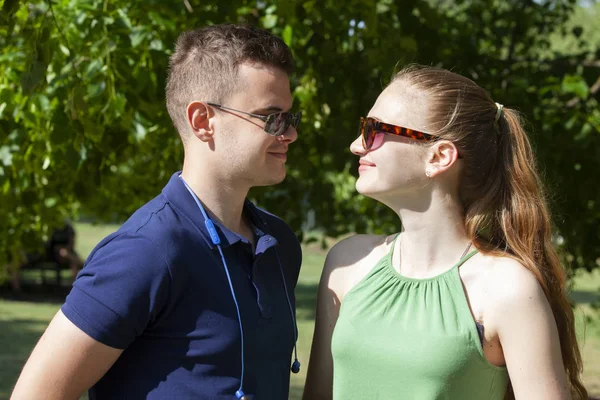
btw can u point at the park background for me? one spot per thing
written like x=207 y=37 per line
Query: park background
x=84 y=132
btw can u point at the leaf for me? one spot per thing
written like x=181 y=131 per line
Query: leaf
x=92 y=131
x=45 y=48
x=245 y=10
x=6 y=156
x=137 y=36
x=71 y=157
x=10 y=7
x=81 y=17
x=32 y=78
x=61 y=128
x=382 y=7
x=269 y=21
x=78 y=99
x=43 y=102
x=287 y=35
x=6 y=187
x=161 y=22
x=93 y=68
x=95 y=90
x=64 y=49
x=50 y=202
x=156 y=44
x=575 y=85
x=46 y=163
x=6 y=95
x=123 y=20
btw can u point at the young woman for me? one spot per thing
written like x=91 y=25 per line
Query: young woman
x=468 y=301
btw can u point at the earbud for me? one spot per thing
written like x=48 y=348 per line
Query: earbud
x=296 y=367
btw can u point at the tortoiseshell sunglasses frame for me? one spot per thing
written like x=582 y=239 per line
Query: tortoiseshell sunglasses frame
x=368 y=136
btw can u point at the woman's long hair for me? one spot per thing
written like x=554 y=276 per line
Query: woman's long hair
x=505 y=208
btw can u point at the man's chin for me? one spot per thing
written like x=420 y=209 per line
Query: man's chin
x=272 y=180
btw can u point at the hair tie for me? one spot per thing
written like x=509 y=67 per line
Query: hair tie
x=498 y=112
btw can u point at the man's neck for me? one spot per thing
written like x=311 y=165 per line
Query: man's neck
x=222 y=199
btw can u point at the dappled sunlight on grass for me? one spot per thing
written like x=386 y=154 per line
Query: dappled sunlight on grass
x=21 y=325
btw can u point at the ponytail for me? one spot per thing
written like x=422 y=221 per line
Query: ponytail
x=523 y=226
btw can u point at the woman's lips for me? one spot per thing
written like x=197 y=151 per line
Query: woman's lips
x=364 y=165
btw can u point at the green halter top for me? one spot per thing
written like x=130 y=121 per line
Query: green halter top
x=404 y=338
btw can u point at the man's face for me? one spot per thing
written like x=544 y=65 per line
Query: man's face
x=243 y=150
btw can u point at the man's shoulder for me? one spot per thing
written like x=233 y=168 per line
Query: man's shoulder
x=154 y=229
x=156 y=215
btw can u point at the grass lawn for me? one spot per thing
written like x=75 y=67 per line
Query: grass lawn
x=22 y=323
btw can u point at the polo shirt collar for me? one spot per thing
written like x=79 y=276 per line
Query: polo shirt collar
x=178 y=195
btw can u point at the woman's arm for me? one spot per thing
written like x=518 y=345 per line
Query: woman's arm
x=347 y=262
x=528 y=334
x=319 y=379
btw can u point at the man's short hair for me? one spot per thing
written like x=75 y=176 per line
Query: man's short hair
x=205 y=63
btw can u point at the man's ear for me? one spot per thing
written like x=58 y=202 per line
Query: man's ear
x=198 y=117
x=441 y=157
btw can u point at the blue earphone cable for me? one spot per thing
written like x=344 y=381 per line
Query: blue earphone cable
x=296 y=364
x=214 y=237
x=216 y=240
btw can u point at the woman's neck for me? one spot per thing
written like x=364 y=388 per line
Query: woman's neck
x=432 y=240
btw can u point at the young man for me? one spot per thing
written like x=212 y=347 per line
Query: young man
x=173 y=306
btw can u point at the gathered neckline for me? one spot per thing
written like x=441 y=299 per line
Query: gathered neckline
x=388 y=263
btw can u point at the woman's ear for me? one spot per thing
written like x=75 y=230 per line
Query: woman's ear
x=441 y=156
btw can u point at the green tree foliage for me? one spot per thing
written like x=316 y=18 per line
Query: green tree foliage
x=84 y=128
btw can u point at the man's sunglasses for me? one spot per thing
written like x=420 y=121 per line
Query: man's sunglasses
x=276 y=124
x=370 y=127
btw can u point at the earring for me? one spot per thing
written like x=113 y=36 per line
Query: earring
x=428 y=173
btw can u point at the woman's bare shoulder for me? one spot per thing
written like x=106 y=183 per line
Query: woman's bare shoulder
x=351 y=259
x=355 y=248
x=511 y=279
x=508 y=286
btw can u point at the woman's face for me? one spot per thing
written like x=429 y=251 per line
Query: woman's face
x=395 y=165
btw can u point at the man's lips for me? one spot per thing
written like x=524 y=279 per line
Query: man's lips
x=279 y=154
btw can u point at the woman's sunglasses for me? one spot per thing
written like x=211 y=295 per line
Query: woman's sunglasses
x=370 y=127
x=276 y=124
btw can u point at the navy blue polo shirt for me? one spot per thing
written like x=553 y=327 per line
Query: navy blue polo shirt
x=157 y=288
